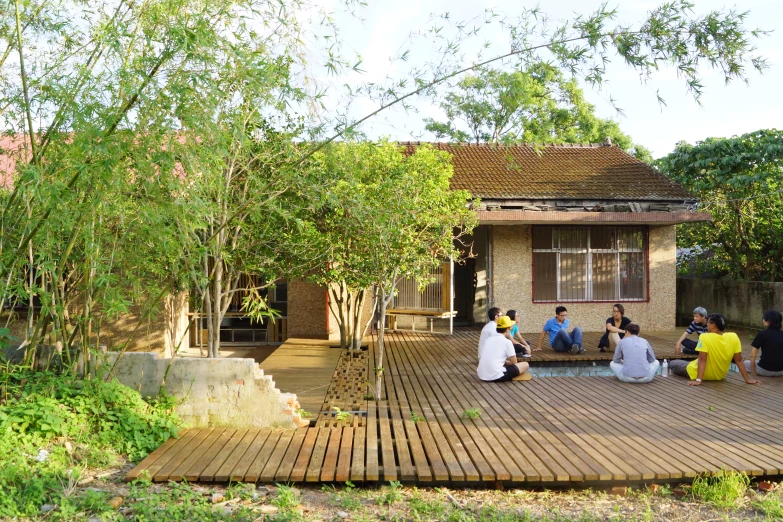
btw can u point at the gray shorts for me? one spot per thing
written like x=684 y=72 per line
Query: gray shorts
x=762 y=372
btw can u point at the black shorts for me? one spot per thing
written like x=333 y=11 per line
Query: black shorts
x=509 y=372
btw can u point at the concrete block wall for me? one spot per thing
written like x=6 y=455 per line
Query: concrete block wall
x=742 y=302
x=512 y=275
x=214 y=392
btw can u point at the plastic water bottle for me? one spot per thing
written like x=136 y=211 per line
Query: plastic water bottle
x=665 y=368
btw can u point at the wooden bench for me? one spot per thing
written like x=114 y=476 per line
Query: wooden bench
x=431 y=315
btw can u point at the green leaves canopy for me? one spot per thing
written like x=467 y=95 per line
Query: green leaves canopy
x=739 y=180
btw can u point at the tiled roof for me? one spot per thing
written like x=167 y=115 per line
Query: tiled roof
x=567 y=171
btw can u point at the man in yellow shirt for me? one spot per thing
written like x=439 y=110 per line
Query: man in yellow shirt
x=716 y=350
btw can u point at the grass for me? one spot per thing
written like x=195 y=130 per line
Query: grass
x=725 y=489
x=770 y=505
x=471 y=413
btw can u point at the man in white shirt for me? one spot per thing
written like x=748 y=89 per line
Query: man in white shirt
x=490 y=328
x=498 y=362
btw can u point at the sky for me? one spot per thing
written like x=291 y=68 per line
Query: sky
x=382 y=28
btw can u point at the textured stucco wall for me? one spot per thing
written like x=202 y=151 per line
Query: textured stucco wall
x=161 y=331
x=512 y=272
x=213 y=392
x=306 y=310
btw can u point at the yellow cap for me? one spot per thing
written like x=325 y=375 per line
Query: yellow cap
x=505 y=322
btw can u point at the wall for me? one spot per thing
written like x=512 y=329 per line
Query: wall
x=742 y=302
x=307 y=311
x=512 y=271
x=214 y=392
x=480 y=239
x=161 y=331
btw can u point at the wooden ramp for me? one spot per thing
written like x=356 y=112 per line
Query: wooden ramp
x=557 y=431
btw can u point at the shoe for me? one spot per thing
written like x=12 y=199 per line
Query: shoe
x=574 y=348
x=581 y=351
x=602 y=350
x=527 y=356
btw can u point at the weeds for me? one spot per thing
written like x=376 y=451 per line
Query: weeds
x=415 y=417
x=286 y=499
x=770 y=505
x=340 y=415
x=302 y=413
x=471 y=413
x=725 y=489
x=392 y=494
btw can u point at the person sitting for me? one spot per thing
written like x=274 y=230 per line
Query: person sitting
x=559 y=339
x=770 y=342
x=521 y=346
x=634 y=359
x=698 y=326
x=615 y=329
x=716 y=350
x=498 y=361
x=490 y=328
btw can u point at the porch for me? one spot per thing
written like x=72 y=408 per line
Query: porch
x=558 y=431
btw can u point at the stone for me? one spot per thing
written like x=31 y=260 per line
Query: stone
x=297 y=492
x=268 y=509
x=619 y=491
x=123 y=492
x=766 y=486
x=217 y=497
x=95 y=519
x=679 y=492
x=115 y=502
x=47 y=508
x=272 y=490
x=342 y=514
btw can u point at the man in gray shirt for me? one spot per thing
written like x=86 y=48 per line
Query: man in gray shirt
x=634 y=360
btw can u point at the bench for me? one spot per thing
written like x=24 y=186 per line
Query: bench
x=431 y=315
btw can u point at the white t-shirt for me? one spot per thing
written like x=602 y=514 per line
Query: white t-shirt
x=490 y=329
x=493 y=359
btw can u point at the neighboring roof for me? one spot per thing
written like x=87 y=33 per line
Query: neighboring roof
x=569 y=171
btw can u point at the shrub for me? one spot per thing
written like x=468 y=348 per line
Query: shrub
x=725 y=489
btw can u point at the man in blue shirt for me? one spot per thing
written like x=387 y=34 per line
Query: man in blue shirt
x=559 y=338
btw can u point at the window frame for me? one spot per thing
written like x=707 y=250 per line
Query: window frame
x=588 y=281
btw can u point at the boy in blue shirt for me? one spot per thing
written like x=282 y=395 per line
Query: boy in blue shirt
x=559 y=338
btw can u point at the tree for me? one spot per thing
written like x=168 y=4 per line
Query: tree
x=740 y=181
x=536 y=105
x=384 y=214
x=108 y=108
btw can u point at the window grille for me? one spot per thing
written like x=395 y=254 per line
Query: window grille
x=589 y=263
x=409 y=295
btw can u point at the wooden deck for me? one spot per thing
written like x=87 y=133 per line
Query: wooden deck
x=557 y=431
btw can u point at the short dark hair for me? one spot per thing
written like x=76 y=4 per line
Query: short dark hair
x=560 y=309
x=620 y=308
x=774 y=318
x=512 y=314
x=501 y=330
x=493 y=312
x=633 y=329
x=718 y=320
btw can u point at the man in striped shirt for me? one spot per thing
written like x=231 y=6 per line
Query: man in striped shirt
x=697 y=326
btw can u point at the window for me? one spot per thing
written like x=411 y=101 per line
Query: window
x=589 y=263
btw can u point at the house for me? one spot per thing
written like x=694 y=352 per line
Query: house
x=584 y=226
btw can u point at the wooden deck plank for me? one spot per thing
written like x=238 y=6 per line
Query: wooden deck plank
x=372 y=471
x=317 y=458
x=329 y=466
x=387 y=443
x=246 y=460
x=208 y=474
x=200 y=459
x=173 y=451
x=275 y=459
x=343 y=471
x=303 y=459
x=261 y=459
x=191 y=448
x=283 y=473
x=152 y=457
x=225 y=471
x=357 y=462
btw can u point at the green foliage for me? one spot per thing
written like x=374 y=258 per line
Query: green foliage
x=535 y=105
x=471 y=413
x=53 y=426
x=392 y=494
x=341 y=415
x=725 y=489
x=738 y=180
x=770 y=504
x=415 y=417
